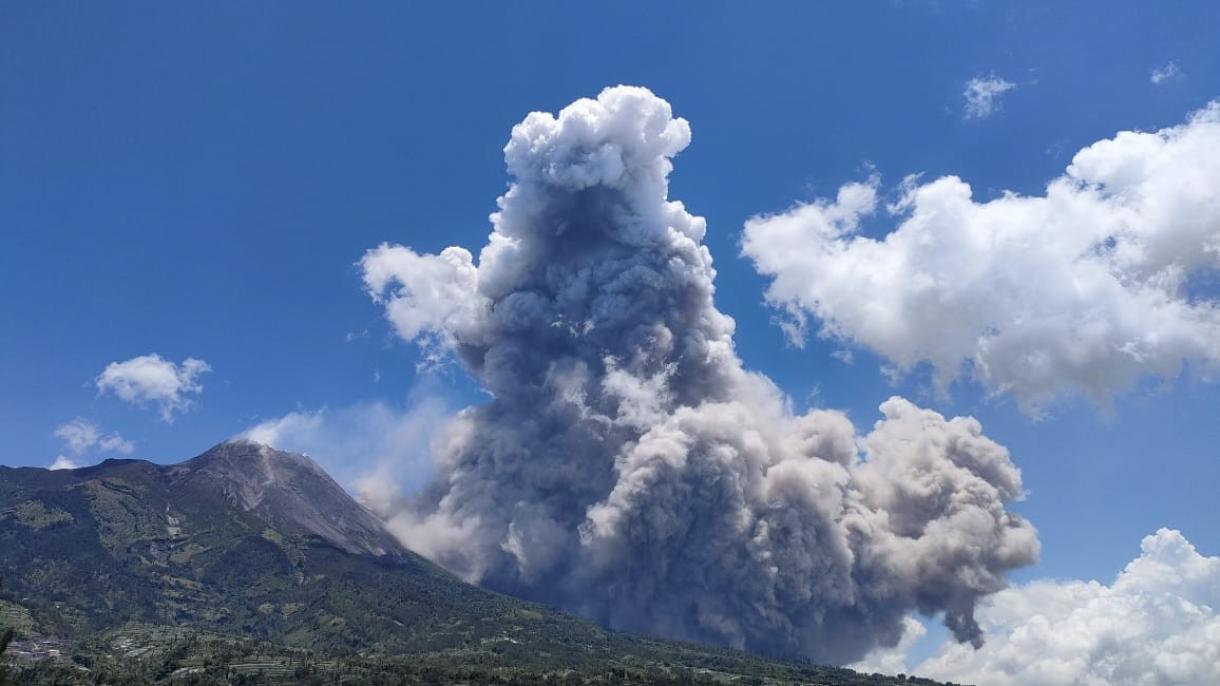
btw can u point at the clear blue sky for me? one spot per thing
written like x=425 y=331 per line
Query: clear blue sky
x=199 y=179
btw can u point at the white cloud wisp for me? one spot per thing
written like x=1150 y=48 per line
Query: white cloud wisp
x=81 y=436
x=1169 y=72
x=981 y=95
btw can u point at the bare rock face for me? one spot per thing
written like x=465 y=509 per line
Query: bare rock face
x=291 y=493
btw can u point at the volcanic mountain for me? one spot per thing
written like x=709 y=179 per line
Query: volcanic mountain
x=155 y=572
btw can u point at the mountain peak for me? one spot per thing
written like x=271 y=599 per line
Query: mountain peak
x=254 y=458
x=291 y=492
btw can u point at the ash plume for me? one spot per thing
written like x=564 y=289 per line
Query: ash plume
x=629 y=468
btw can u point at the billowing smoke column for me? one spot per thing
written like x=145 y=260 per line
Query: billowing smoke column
x=628 y=468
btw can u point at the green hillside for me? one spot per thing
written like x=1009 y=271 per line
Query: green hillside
x=247 y=565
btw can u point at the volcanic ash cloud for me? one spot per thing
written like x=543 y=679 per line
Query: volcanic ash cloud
x=629 y=468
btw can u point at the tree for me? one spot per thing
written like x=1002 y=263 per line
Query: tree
x=5 y=639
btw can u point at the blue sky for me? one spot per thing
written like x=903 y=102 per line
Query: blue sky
x=201 y=180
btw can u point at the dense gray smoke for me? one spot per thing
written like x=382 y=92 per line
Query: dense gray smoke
x=629 y=469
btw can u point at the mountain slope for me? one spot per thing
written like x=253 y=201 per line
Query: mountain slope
x=289 y=492
x=246 y=541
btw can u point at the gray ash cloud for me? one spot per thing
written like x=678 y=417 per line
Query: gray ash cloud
x=629 y=468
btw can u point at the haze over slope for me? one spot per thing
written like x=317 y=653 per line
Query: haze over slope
x=628 y=467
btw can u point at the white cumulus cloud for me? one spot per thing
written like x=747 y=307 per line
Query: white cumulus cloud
x=981 y=95
x=1157 y=624
x=1090 y=287
x=152 y=379
x=425 y=296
